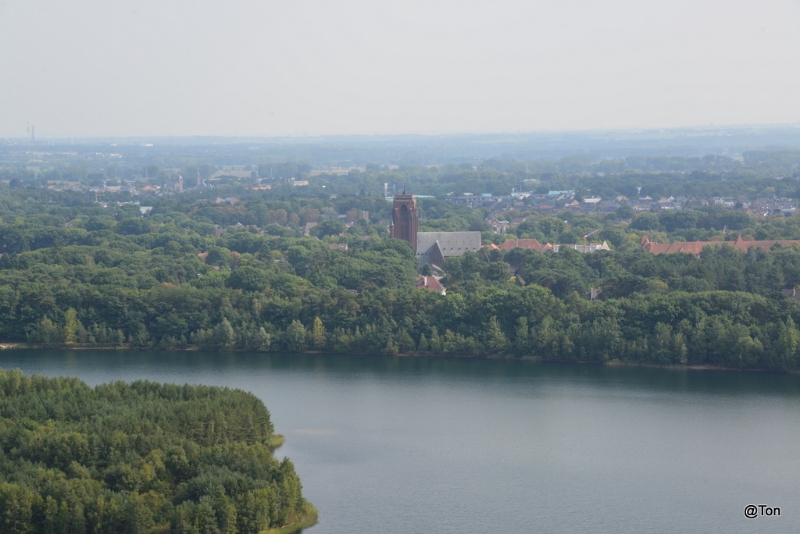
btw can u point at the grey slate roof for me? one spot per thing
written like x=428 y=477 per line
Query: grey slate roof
x=449 y=243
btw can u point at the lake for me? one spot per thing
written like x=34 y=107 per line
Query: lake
x=408 y=445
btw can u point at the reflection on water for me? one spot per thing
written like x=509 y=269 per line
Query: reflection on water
x=696 y=381
x=451 y=445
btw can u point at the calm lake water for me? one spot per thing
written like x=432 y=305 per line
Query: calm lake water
x=458 y=446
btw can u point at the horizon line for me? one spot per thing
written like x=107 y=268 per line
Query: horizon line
x=638 y=130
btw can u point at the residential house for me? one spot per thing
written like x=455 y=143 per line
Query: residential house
x=430 y=283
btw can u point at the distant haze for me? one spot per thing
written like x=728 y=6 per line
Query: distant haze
x=308 y=67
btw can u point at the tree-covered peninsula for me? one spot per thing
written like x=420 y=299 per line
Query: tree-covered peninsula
x=140 y=458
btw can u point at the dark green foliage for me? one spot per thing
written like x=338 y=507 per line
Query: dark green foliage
x=248 y=279
x=645 y=221
x=76 y=274
x=134 y=226
x=329 y=228
x=138 y=458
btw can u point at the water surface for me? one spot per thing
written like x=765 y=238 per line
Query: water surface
x=457 y=446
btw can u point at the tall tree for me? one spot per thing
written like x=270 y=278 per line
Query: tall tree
x=318 y=333
x=71 y=326
x=224 y=336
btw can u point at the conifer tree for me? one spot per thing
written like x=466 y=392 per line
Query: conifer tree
x=785 y=348
x=263 y=340
x=296 y=336
x=521 y=337
x=224 y=336
x=71 y=326
x=495 y=338
x=423 y=343
x=318 y=333
x=46 y=332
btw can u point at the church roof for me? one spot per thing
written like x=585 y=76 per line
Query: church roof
x=451 y=243
x=435 y=246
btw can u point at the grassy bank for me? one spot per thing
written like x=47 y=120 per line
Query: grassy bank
x=307 y=518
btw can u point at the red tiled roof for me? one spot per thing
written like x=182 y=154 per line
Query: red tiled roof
x=429 y=282
x=696 y=247
x=741 y=244
x=691 y=247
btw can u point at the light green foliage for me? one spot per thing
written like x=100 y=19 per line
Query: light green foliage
x=318 y=333
x=296 y=337
x=71 y=326
x=224 y=336
x=46 y=332
x=264 y=340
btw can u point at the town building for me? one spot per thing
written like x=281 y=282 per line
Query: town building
x=583 y=249
x=431 y=283
x=429 y=247
x=696 y=247
x=533 y=244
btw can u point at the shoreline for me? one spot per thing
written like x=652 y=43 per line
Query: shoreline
x=275 y=441
x=308 y=518
x=608 y=363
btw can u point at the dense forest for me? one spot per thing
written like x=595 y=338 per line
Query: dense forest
x=260 y=275
x=139 y=458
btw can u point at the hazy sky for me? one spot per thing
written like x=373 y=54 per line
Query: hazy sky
x=295 y=67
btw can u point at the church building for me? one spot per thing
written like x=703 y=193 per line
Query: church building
x=429 y=247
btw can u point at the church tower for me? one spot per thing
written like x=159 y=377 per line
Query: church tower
x=405 y=219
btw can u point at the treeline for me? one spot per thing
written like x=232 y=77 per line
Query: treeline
x=624 y=273
x=652 y=324
x=139 y=458
x=718 y=328
x=597 y=179
x=77 y=274
x=753 y=174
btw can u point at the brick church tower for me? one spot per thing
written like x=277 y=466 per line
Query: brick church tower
x=405 y=219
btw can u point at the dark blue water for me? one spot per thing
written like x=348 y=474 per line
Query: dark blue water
x=458 y=446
